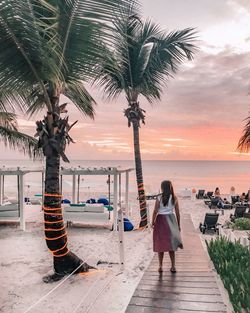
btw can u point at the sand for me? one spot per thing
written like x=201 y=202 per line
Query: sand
x=25 y=260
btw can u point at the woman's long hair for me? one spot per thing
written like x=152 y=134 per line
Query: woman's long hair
x=167 y=191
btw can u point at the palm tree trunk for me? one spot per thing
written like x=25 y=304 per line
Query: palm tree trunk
x=53 y=143
x=139 y=176
x=65 y=261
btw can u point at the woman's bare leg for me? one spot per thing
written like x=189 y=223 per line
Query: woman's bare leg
x=160 y=257
x=172 y=258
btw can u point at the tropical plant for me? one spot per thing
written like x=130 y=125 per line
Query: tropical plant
x=242 y=223
x=48 y=48
x=11 y=137
x=232 y=262
x=140 y=62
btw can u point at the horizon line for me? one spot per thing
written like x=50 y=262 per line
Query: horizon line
x=117 y=160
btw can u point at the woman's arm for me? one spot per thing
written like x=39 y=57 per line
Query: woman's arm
x=157 y=205
x=177 y=212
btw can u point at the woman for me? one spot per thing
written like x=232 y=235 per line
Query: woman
x=217 y=192
x=166 y=234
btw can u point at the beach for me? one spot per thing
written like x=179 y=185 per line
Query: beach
x=105 y=105
x=25 y=259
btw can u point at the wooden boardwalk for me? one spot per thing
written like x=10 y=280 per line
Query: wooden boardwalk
x=193 y=289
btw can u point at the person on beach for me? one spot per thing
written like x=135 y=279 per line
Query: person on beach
x=166 y=225
x=221 y=202
x=232 y=191
x=217 y=192
x=244 y=197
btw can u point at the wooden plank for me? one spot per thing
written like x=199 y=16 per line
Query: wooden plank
x=142 y=309
x=181 y=305
x=183 y=263
x=187 y=290
x=184 y=274
x=156 y=294
x=181 y=278
x=193 y=289
x=180 y=266
x=186 y=259
x=180 y=283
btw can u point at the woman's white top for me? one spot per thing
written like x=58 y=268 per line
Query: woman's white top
x=166 y=209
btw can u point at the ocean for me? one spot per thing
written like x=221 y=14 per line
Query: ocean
x=184 y=174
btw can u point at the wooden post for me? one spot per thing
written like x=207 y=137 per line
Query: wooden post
x=126 y=194
x=1 y=194
x=21 y=202
x=109 y=182
x=115 y=202
x=78 y=188
x=121 y=238
x=3 y=188
x=73 y=188
x=120 y=190
x=149 y=218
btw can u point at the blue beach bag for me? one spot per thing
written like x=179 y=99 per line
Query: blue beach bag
x=66 y=201
x=128 y=226
x=103 y=201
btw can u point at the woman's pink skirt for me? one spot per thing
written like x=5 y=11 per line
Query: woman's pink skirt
x=166 y=234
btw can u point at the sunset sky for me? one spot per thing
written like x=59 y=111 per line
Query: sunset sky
x=201 y=113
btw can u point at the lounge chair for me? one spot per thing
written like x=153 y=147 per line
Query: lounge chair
x=90 y=214
x=235 y=199
x=9 y=212
x=200 y=194
x=150 y=197
x=246 y=215
x=35 y=201
x=210 y=222
x=238 y=213
x=227 y=206
x=209 y=194
x=214 y=203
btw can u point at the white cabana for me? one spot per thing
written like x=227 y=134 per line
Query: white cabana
x=15 y=211
x=114 y=172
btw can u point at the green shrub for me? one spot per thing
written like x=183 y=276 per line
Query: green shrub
x=242 y=223
x=232 y=262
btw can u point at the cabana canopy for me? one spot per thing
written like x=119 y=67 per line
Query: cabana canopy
x=116 y=172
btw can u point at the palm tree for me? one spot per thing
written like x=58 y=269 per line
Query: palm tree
x=140 y=63
x=11 y=137
x=244 y=141
x=48 y=48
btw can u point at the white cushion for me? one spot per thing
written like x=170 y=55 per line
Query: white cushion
x=86 y=217
x=69 y=208
x=9 y=210
x=94 y=207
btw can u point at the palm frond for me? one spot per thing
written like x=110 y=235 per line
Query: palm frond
x=165 y=54
x=80 y=97
x=35 y=101
x=82 y=27
x=143 y=58
x=20 y=141
x=8 y=120
x=109 y=75
x=25 y=56
x=48 y=46
x=244 y=142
